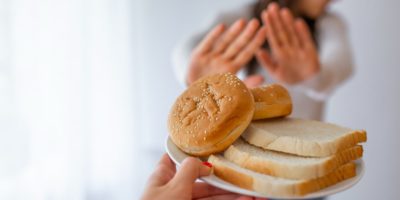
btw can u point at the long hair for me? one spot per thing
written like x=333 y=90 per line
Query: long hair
x=260 y=6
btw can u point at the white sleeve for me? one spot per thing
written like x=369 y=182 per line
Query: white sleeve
x=181 y=56
x=335 y=58
x=182 y=51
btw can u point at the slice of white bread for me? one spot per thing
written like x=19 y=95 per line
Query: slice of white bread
x=269 y=185
x=287 y=165
x=302 y=137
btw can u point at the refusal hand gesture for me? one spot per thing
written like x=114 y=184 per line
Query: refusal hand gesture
x=227 y=50
x=293 y=57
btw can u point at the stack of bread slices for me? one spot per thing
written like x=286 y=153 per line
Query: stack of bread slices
x=290 y=157
x=282 y=156
x=274 y=154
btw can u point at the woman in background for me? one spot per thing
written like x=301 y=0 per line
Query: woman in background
x=299 y=44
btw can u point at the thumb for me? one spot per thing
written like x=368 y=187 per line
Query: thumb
x=163 y=173
x=190 y=170
x=253 y=81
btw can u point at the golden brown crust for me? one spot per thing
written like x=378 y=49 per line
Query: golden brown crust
x=211 y=114
x=271 y=101
x=228 y=174
x=350 y=154
x=342 y=173
x=357 y=136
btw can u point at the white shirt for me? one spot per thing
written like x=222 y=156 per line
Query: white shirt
x=309 y=96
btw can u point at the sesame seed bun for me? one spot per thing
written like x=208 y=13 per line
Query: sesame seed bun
x=271 y=101
x=211 y=114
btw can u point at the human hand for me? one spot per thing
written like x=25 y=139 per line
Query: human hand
x=227 y=51
x=294 y=55
x=167 y=183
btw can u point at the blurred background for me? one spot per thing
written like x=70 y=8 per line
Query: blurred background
x=86 y=86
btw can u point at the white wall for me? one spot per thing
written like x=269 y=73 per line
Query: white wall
x=369 y=100
x=66 y=100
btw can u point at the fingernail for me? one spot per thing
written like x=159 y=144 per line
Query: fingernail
x=207 y=164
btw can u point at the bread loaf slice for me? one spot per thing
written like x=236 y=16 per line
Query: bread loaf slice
x=274 y=186
x=302 y=137
x=287 y=165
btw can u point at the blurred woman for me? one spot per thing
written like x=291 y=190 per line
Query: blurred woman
x=297 y=43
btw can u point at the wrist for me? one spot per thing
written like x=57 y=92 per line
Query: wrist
x=313 y=71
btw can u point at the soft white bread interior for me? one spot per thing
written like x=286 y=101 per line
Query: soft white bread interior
x=271 y=101
x=302 y=137
x=287 y=165
x=270 y=185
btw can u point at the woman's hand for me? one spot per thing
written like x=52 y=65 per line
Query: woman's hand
x=167 y=183
x=294 y=56
x=227 y=51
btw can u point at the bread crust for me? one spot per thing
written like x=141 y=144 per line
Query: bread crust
x=211 y=114
x=247 y=180
x=271 y=101
x=279 y=168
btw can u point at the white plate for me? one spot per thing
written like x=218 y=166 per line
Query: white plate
x=178 y=156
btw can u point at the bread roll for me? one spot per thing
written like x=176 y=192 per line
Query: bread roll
x=271 y=101
x=211 y=114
